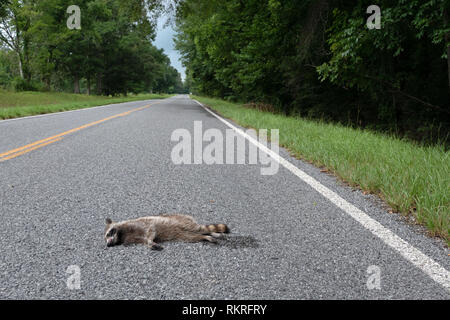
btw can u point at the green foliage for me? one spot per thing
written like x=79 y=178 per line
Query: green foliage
x=111 y=54
x=356 y=50
x=318 y=59
x=19 y=84
x=6 y=69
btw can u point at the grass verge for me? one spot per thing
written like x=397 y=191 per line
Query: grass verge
x=412 y=179
x=22 y=104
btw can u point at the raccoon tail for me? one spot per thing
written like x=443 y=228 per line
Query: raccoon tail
x=216 y=228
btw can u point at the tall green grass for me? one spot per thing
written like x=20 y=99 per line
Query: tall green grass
x=21 y=104
x=411 y=178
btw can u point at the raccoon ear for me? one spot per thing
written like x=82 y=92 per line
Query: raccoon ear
x=108 y=221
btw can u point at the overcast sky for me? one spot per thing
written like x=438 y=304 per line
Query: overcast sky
x=164 y=39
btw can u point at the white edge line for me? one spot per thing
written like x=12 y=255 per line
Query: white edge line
x=76 y=110
x=430 y=267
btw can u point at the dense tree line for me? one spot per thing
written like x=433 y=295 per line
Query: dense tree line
x=111 y=54
x=317 y=58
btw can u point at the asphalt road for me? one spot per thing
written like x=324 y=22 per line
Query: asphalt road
x=287 y=240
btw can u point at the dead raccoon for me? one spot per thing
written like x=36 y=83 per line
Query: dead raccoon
x=152 y=229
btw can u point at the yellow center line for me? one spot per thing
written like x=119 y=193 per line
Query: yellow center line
x=30 y=149
x=41 y=143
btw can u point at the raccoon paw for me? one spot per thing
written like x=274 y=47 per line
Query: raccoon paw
x=156 y=247
x=210 y=239
x=217 y=235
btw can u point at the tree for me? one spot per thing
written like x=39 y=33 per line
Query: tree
x=14 y=25
x=319 y=59
x=111 y=52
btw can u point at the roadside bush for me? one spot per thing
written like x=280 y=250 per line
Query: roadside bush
x=19 y=84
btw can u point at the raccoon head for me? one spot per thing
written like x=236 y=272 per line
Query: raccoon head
x=112 y=234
